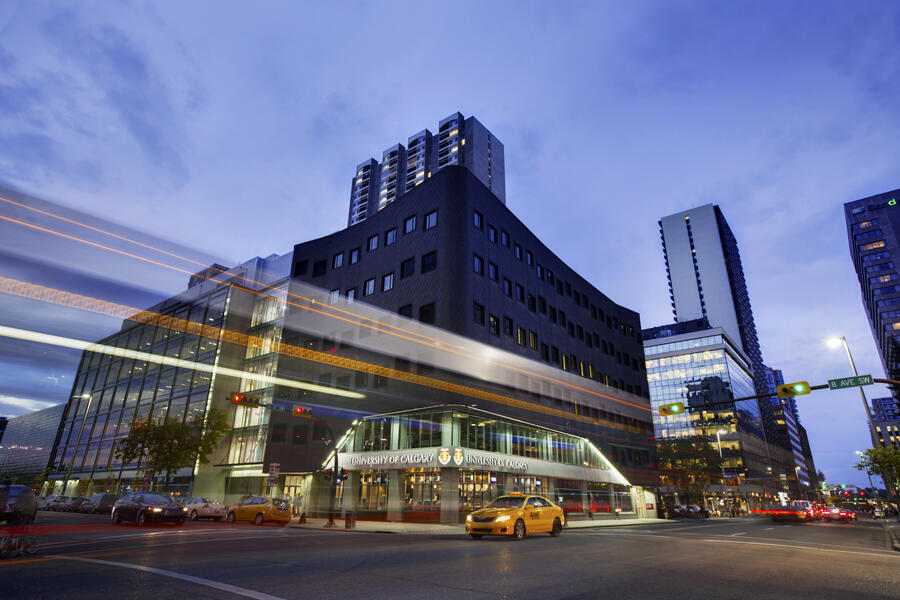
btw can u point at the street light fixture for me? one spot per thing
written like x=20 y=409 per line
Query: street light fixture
x=836 y=342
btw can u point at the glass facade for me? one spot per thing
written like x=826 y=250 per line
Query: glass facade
x=28 y=443
x=111 y=393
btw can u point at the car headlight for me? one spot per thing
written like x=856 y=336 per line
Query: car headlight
x=468 y=517
x=184 y=508
x=503 y=518
x=156 y=510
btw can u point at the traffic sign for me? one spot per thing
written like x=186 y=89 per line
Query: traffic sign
x=849 y=382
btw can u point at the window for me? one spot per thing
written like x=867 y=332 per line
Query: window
x=532 y=340
x=478 y=264
x=351 y=295
x=429 y=262
x=337 y=261
x=542 y=305
x=507 y=287
x=529 y=258
x=492 y=234
x=554 y=355
x=520 y=293
x=478 y=314
x=518 y=252
x=545 y=352
x=571 y=329
x=477 y=219
x=559 y=287
x=390 y=236
x=334 y=296
x=369 y=287
x=504 y=238
x=407 y=268
x=552 y=315
x=405 y=310
x=300 y=268
x=568 y=289
x=508 y=326
x=354 y=256
x=426 y=313
x=520 y=336
x=409 y=225
x=549 y=276
x=387 y=282
x=493 y=272
x=319 y=268
x=532 y=303
x=494 y=325
x=562 y=318
x=431 y=220
x=540 y=272
x=373 y=243
x=872 y=246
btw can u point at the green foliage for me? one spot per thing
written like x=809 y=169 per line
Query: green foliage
x=690 y=465
x=884 y=462
x=167 y=446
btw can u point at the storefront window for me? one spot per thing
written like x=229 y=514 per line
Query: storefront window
x=422 y=494
x=476 y=489
x=373 y=491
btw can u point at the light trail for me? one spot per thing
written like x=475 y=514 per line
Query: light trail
x=60 y=297
x=433 y=343
x=65 y=342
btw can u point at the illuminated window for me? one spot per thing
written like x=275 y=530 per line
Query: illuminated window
x=872 y=246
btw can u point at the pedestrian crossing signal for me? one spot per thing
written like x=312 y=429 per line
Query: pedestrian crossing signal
x=667 y=410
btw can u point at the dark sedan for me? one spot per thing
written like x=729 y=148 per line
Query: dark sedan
x=144 y=508
x=17 y=504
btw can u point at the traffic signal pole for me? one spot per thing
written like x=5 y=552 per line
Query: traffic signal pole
x=823 y=386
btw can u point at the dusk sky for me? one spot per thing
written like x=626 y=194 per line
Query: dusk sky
x=234 y=129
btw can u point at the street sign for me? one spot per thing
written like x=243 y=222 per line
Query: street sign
x=849 y=382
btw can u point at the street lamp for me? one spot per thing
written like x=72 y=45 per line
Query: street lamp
x=860 y=454
x=835 y=342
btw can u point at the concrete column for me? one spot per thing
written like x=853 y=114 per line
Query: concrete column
x=395 y=495
x=586 y=500
x=447 y=432
x=351 y=492
x=449 y=495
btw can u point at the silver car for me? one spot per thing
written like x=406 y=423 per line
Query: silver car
x=204 y=508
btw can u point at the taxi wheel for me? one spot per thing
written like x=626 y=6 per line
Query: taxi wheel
x=476 y=536
x=230 y=517
x=519 y=530
x=259 y=519
x=557 y=528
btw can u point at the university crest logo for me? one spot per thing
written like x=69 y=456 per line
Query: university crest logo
x=444 y=456
x=458 y=456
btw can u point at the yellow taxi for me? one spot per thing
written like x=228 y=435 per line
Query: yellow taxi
x=260 y=510
x=516 y=514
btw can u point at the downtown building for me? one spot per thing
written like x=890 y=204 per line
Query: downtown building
x=886 y=419
x=709 y=299
x=873 y=227
x=444 y=350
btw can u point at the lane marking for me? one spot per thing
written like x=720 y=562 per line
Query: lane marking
x=794 y=547
x=737 y=534
x=22 y=561
x=148 y=534
x=225 y=587
x=769 y=528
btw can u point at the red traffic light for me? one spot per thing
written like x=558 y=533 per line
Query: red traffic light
x=300 y=411
x=244 y=400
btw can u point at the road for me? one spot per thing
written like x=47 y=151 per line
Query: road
x=82 y=556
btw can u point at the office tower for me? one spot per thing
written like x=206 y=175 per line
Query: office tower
x=873 y=226
x=886 y=419
x=460 y=141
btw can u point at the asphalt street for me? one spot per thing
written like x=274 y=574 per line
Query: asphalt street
x=83 y=556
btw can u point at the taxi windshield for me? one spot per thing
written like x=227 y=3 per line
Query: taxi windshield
x=507 y=502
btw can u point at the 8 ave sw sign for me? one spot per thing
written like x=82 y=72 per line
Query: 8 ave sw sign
x=849 y=382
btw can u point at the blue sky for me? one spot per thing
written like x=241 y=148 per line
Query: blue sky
x=234 y=128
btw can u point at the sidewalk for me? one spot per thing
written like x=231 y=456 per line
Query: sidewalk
x=454 y=529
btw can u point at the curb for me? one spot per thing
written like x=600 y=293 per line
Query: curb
x=895 y=542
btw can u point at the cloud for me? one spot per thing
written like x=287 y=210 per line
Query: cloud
x=14 y=406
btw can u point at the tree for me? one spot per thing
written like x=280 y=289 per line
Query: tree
x=167 y=446
x=689 y=464
x=885 y=461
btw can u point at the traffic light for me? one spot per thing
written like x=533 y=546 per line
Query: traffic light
x=667 y=410
x=789 y=390
x=344 y=474
x=301 y=411
x=244 y=399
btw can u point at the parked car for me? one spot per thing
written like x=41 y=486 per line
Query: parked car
x=144 y=508
x=204 y=508
x=259 y=510
x=57 y=503
x=99 y=503
x=72 y=504
x=17 y=504
x=878 y=514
